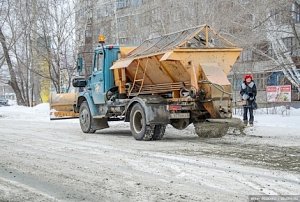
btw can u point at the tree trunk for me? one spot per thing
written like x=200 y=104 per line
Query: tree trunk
x=13 y=79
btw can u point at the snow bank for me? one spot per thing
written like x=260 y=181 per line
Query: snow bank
x=295 y=111
x=12 y=102
x=39 y=112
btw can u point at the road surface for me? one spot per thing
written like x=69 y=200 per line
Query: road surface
x=55 y=161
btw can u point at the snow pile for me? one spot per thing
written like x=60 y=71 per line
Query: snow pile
x=12 y=102
x=295 y=112
x=39 y=112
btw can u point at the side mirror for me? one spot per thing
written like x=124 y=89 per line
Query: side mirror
x=79 y=64
x=79 y=82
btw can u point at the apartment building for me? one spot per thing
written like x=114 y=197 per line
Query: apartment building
x=129 y=22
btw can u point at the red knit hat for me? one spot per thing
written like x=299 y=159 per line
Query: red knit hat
x=247 y=76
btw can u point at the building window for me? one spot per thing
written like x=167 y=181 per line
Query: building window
x=136 y=3
x=290 y=44
x=279 y=16
x=98 y=13
x=246 y=55
x=297 y=13
x=237 y=83
x=103 y=11
x=145 y=19
x=124 y=40
x=263 y=50
x=156 y=15
x=122 y=4
x=260 y=81
x=177 y=16
x=123 y=24
x=275 y=79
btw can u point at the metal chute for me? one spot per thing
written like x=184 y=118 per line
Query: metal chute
x=181 y=61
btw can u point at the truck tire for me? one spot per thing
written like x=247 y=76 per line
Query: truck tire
x=210 y=130
x=85 y=118
x=159 y=132
x=138 y=127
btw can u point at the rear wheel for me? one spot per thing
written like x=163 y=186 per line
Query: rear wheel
x=85 y=118
x=139 y=129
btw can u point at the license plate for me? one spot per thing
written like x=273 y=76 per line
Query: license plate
x=179 y=115
x=174 y=107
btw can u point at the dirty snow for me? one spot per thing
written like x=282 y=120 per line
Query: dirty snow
x=43 y=160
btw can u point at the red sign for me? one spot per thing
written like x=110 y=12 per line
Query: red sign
x=279 y=93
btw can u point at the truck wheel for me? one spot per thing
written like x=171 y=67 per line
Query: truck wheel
x=85 y=118
x=211 y=130
x=138 y=127
x=159 y=132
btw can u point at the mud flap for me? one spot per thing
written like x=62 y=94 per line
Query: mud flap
x=62 y=106
x=100 y=123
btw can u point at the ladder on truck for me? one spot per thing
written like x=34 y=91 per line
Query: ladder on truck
x=136 y=80
x=283 y=55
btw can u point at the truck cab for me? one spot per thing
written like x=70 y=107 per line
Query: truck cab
x=101 y=80
x=98 y=100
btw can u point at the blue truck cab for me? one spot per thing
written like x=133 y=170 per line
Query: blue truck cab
x=101 y=80
x=98 y=88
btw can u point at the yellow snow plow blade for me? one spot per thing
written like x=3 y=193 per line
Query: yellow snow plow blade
x=62 y=106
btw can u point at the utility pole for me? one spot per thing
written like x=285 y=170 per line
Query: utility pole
x=3 y=91
x=116 y=21
x=33 y=52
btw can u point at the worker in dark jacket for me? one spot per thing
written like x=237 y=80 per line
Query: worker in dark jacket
x=248 y=93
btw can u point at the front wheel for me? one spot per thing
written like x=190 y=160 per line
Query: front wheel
x=85 y=118
x=138 y=127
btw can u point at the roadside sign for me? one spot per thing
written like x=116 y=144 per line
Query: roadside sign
x=279 y=93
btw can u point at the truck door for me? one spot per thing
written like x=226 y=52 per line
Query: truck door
x=97 y=79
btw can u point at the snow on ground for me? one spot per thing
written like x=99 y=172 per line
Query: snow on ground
x=268 y=122
x=278 y=117
x=277 y=126
x=39 y=112
x=43 y=159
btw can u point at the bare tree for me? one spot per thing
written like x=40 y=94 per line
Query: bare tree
x=7 y=19
x=37 y=39
x=57 y=28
